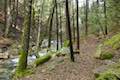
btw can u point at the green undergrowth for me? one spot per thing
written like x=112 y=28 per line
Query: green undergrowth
x=22 y=73
x=113 y=73
x=107 y=48
x=113 y=42
x=103 y=53
x=106 y=55
x=108 y=75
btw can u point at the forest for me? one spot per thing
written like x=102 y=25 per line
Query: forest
x=59 y=39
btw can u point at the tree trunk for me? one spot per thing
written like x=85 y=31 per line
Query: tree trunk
x=78 y=34
x=105 y=14
x=38 y=43
x=98 y=18
x=57 y=29
x=61 y=37
x=17 y=4
x=86 y=17
x=73 y=17
x=7 y=17
x=25 y=40
x=50 y=26
x=69 y=31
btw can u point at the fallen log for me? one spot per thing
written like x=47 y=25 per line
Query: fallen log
x=42 y=60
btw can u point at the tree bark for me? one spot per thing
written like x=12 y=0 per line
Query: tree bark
x=105 y=14
x=86 y=17
x=25 y=40
x=69 y=31
x=50 y=26
x=61 y=37
x=98 y=18
x=38 y=43
x=8 y=17
x=57 y=23
x=77 y=17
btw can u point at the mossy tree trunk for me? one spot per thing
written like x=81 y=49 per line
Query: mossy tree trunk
x=22 y=65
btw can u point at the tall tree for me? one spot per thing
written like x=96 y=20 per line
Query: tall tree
x=69 y=31
x=73 y=23
x=77 y=17
x=61 y=37
x=25 y=39
x=16 y=11
x=50 y=26
x=57 y=28
x=5 y=10
x=7 y=17
x=39 y=28
x=98 y=18
x=105 y=14
x=86 y=18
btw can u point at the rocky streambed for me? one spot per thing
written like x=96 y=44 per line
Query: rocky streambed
x=7 y=67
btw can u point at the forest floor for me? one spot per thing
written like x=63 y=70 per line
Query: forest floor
x=61 y=68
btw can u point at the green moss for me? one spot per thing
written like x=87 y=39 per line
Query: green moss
x=23 y=60
x=23 y=73
x=106 y=55
x=116 y=46
x=105 y=50
x=42 y=59
x=108 y=75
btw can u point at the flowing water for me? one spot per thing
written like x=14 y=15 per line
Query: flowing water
x=6 y=70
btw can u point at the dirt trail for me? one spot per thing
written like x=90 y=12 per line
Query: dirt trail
x=82 y=69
